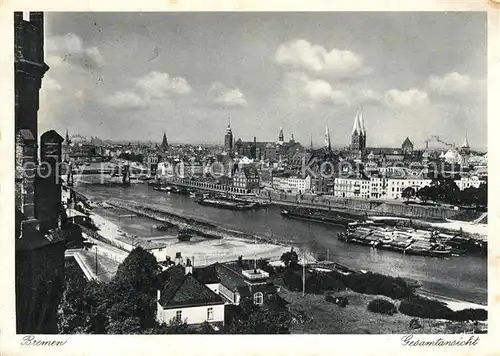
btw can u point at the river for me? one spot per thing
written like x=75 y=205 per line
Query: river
x=462 y=278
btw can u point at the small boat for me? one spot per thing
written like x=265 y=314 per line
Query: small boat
x=184 y=235
x=162 y=227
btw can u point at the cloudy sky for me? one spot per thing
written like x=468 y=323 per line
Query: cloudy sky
x=132 y=76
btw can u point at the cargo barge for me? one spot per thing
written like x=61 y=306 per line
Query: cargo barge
x=225 y=204
x=316 y=216
x=416 y=242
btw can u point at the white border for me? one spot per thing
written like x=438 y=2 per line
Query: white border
x=225 y=344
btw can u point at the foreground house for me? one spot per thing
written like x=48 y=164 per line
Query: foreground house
x=184 y=298
x=238 y=282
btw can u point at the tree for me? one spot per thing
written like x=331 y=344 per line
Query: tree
x=73 y=313
x=130 y=325
x=261 y=320
x=292 y=280
x=408 y=193
x=138 y=271
x=290 y=258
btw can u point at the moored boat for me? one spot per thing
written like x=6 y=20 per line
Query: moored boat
x=184 y=235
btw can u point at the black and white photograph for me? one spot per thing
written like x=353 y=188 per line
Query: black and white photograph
x=251 y=173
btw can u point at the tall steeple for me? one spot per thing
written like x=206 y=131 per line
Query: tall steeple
x=362 y=122
x=356 y=130
x=465 y=144
x=328 y=144
x=164 y=142
x=358 y=136
x=311 y=143
x=228 y=137
x=281 y=136
x=66 y=138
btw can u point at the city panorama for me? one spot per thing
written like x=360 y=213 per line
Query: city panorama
x=251 y=173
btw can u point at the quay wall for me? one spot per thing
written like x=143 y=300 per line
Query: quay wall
x=414 y=211
x=360 y=206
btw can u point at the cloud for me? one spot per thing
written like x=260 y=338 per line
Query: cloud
x=368 y=97
x=160 y=85
x=449 y=84
x=125 y=100
x=50 y=84
x=70 y=49
x=407 y=98
x=312 y=91
x=222 y=95
x=232 y=97
x=301 y=54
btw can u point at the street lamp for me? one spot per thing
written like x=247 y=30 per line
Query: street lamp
x=96 y=260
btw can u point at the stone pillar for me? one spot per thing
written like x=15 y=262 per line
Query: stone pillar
x=25 y=172
x=49 y=181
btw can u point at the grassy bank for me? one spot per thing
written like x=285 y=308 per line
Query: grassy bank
x=323 y=317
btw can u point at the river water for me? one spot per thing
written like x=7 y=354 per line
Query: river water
x=462 y=278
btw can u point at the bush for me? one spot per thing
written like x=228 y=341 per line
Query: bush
x=470 y=314
x=324 y=281
x=425 y=308
x=374 y=283
x=415 y=323
x=330 y=298
x=434 y=309
x=292 y=280
x=382 y=306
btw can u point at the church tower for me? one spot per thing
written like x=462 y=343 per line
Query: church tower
x=328 y=143
x=164 y=143
x=281 y=136
x=228 y=138
x=358 y=136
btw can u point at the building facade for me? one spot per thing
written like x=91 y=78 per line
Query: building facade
x=292 y=184
x=40 y=241
x=246 y=178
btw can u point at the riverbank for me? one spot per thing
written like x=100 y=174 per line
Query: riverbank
x=205 y=251
x=463 y=277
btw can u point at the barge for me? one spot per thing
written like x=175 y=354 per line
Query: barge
x=316 y=216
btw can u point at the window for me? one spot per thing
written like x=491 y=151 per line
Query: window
x=178 y=315
x=210 y=313
x=258 y=298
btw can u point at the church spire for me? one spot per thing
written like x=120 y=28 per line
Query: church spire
x=362 y=122
x=281 y=136
x=164 y=142
x=356 y=128
x=328 y=144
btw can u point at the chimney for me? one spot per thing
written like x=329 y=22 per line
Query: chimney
x=178 y=258
x=188 y=268
x=158 y=294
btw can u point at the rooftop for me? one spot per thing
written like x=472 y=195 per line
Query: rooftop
x=180 y=289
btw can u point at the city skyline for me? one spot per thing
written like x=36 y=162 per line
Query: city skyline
x=154 y=73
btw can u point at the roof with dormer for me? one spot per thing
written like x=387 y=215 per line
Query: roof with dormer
x=181 y=289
